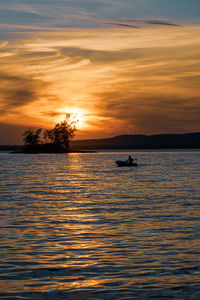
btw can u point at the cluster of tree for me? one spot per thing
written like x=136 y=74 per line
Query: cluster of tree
x=55 y=140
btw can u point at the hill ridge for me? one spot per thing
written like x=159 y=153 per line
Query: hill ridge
x=139 y=141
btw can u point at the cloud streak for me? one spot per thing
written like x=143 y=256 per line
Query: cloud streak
x=118 y=24
x=17 y=92
x=132 y=23
x=151 y=22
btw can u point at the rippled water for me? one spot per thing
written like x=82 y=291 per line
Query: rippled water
x=77 y=227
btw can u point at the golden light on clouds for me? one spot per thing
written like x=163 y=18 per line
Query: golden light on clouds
x=115 y=80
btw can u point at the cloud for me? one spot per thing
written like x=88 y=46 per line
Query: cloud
x=49 y=15
x=142 y=111
x=3 y=44
x=146 y=82
x=119 y=24
x=18 y=91
x=52 y=113
x=127 y=23
x=35 y=16
x=151 y=22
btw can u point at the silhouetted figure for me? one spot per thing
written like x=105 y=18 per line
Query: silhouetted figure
x=130 y=159
x=129 y=162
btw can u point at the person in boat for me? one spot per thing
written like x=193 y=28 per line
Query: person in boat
x=131 y=160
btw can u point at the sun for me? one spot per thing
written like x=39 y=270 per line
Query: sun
x=76 y=116
x=77 y=119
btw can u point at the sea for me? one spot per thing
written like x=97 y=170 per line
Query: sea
x=76 y=226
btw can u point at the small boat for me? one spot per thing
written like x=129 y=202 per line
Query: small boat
x=126 y=163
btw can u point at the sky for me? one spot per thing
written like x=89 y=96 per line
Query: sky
x=122 y=66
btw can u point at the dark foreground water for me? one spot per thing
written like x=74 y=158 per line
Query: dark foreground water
x=78 y=227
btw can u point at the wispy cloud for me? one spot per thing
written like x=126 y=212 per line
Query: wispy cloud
x=85 y=14
x=152 y=22
x=18 y=91
x=118 y=24
x=138 y=23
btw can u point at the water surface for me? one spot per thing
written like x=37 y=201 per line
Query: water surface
x=77 y=227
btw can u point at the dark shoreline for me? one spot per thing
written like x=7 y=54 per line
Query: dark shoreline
x=78 y=151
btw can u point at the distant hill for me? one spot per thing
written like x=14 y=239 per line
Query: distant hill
x=159 y=141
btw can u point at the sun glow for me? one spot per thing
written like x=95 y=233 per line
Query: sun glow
x=76 y=119
x=76 y=116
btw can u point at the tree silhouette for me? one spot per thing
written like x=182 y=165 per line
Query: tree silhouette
x=55 y=140
x=31 y=137
x=61 y=134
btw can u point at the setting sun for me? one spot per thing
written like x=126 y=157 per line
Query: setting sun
x=76 y=115
x=76 y=118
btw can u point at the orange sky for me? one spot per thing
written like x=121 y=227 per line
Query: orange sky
x=120 y=80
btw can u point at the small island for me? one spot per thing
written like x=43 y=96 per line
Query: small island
x=55 y=140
